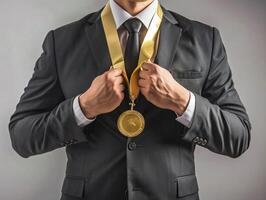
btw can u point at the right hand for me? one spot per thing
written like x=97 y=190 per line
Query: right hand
x=104 y=95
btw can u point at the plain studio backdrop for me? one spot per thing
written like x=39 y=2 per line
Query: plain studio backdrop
x=23 y=26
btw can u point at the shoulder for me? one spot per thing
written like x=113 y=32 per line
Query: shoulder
x=73 y=28
x=193 y=28
x=71 y=33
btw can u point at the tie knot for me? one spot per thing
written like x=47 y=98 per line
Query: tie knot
x=133 y=25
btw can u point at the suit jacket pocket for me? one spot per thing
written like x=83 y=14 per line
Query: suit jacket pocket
x=73 y=186
x=186 y=72
x=186 y=185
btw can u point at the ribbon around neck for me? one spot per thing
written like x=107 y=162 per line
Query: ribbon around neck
x=147 y=51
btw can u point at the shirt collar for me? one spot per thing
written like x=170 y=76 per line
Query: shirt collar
x=145 y=16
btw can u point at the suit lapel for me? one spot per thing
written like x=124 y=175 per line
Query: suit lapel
x=97 y=43
x=170 y=34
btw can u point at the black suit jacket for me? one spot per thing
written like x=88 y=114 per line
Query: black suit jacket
x=158 y=164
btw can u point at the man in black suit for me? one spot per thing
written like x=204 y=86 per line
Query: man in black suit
x=187 y=98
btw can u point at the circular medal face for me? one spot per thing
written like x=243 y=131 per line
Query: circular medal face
x=131 y=123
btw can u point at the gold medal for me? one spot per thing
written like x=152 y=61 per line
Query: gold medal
x=131 y=122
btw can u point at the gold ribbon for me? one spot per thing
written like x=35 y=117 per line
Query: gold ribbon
x=147 y=51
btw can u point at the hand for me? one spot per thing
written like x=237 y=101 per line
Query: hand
x=104 y=95
x=161 y=89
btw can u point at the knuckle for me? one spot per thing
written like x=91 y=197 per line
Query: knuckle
x=120 y=79
x=153 y=78
x=156 y=70
x=118 y=69
x=114 y=87
x=109 y=76
x=105 y=75
x=110 y=83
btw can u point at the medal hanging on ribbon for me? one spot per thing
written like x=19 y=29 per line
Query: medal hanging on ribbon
x=131 y=122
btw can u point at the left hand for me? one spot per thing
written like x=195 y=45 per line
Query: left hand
x=161 y=89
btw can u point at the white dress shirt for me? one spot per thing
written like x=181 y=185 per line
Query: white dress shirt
x=145 y=16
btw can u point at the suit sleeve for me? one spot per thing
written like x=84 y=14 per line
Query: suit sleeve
x=220 y=122
x=44 y=119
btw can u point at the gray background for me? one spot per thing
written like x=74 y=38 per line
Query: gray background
x=23 y=25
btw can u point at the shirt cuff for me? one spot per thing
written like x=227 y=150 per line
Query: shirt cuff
x=81 y=119
x=186 y=117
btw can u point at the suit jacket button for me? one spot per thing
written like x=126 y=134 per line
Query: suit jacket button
x=132 y=146
x=71 y=141
x=204 y=142
x=201 y=141
x=196 y=140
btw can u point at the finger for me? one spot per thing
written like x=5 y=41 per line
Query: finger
x=116 y=72
x=147 y=69
x=142 y=83
x=143 y=91
x=117 y=91
x=119 y=79
x=121 y=87
x=122 y=95
x=143 y=75
x=147 y=66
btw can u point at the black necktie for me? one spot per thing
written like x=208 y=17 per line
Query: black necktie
x=133 y=26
